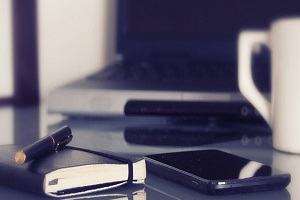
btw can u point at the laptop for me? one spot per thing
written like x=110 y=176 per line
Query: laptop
x=176 y=57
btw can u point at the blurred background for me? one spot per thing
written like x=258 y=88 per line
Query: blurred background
x=44 y=45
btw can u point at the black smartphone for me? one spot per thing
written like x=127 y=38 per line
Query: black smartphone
x=216 y=172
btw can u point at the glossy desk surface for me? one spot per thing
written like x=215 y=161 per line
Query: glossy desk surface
x=142 y=136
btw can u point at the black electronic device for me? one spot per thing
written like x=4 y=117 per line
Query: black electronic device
x=217 y=172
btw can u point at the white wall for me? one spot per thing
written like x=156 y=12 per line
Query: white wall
x=6 y=49
x=76 y=38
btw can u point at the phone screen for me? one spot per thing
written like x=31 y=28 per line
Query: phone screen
x=218 y=168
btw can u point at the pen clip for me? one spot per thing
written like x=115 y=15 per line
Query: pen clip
x=63 y=142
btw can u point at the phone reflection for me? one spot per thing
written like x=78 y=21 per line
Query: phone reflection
x=252 y=169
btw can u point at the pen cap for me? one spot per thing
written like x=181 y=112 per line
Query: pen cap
x=62 y=136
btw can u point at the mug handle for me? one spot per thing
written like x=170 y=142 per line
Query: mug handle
x=248 y=42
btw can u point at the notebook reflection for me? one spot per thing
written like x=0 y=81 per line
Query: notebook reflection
x=126 y=192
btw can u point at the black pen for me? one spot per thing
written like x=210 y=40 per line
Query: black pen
x=52 y=142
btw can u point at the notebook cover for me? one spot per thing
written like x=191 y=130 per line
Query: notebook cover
x=14 y=175
x=30 y=176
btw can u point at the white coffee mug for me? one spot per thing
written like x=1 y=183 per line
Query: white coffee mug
x=283 y=111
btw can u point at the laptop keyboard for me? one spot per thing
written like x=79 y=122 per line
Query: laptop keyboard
x=145 y=72
x=189 y=77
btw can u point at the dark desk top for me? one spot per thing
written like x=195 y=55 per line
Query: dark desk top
x=141 y=136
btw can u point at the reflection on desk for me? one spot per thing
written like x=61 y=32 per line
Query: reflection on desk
x=186 y=135
x=122 y=193
x=156 y=186
x=250 y=140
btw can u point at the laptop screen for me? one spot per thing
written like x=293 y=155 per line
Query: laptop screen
x=192 y=29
